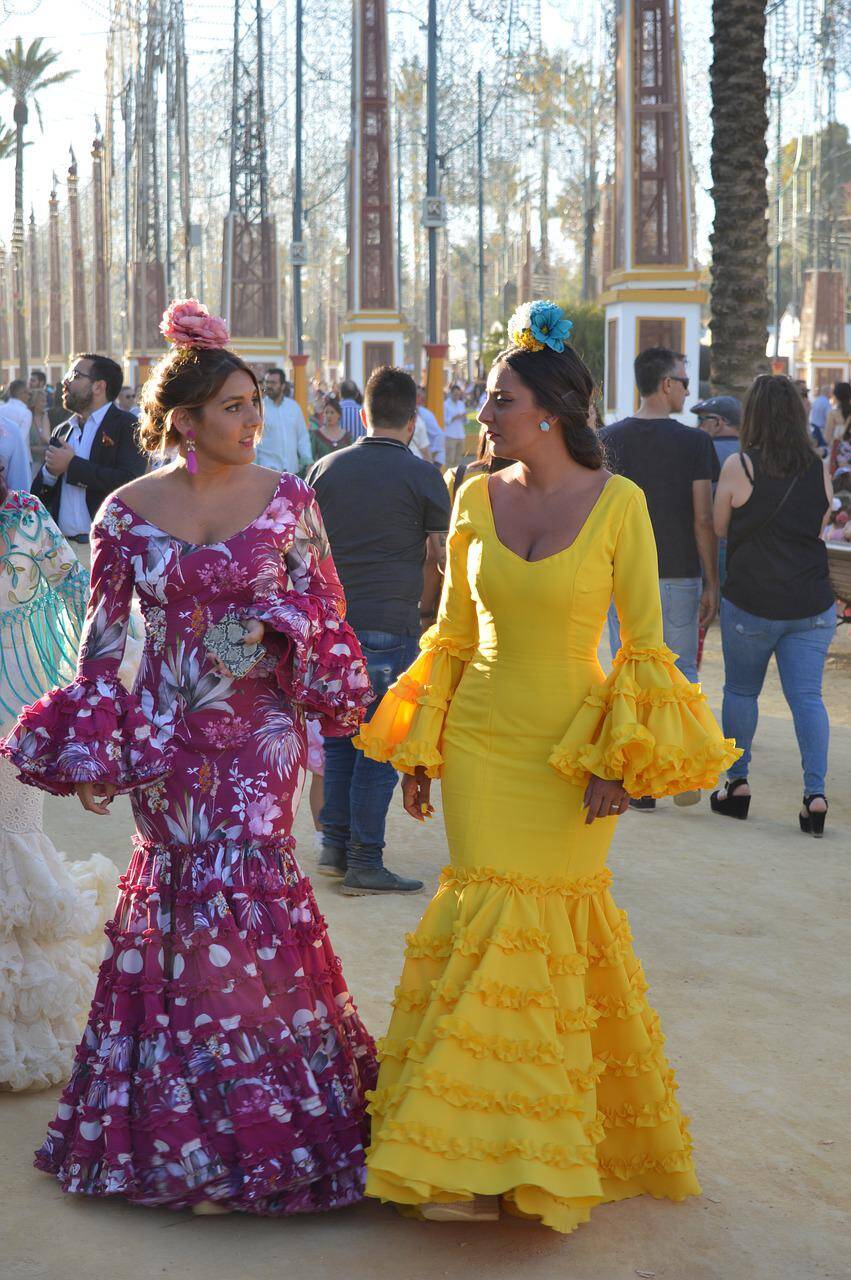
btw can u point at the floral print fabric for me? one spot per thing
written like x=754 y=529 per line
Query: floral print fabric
x=223 y=1057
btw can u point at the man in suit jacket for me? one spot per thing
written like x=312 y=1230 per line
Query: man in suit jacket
x=92 y=453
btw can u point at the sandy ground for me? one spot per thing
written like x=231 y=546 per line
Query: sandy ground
x=743 y=931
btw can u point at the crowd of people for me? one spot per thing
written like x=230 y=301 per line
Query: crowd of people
x=361 y=596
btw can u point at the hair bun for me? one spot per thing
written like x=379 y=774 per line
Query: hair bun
x=189 y=324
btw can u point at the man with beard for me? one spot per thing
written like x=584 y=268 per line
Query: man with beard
x=92 y=453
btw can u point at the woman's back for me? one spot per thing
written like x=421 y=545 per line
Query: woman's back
x=776 y=561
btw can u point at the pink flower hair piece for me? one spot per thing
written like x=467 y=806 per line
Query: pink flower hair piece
x=189 y=324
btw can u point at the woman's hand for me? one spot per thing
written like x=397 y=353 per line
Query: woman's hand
x=253 y=631
x=604 y=798
x=86 y=794
x=416 y=789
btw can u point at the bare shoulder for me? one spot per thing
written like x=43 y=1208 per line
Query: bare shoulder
x=733 y=467
x=154 y=483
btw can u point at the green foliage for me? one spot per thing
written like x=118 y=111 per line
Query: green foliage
x=23 y=73
x=7 y=141
x=495 y=341
x=589 y=334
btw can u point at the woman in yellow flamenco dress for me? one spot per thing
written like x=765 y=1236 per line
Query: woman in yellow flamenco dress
x=523 y=1059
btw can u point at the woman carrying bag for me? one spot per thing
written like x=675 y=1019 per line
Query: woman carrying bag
x=771 y=503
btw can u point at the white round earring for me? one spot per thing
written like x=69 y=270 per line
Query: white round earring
x=544 y=426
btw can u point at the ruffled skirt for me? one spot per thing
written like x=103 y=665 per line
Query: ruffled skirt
x=223 y=1058
x=523 y=1059
x=51 y=916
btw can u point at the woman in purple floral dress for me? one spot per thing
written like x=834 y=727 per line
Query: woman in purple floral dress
x=224 y=1063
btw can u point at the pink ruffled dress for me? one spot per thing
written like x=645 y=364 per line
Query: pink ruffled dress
x=223 y=1057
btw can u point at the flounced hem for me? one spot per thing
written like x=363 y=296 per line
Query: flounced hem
x=407 y=757
x=94 y=731
x=406 y=729
x=542 y=1194
x=584 y=887
x=540 y=1052
x=432 y=641
x=422 y=946
x=646 y=726
x=471 y=1097
x=493 y=1151
x=496 y=995
x=323 y=669
x=338 y=1187
x=632 y=755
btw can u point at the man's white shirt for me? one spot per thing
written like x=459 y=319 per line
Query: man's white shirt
x=419 y=440
x=74 y=519
x=454 y=418
x=15 y=412
x=15 y=458
x=285 y=443
x=436 y=440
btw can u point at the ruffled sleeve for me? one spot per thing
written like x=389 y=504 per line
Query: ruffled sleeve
x=320 y=665
x=93 y=730
x=646 y=725
x=407 y=727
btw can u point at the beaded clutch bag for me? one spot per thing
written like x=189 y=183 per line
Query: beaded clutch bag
x=224 y=642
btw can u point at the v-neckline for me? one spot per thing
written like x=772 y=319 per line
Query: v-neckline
x=200 y=546
x=554 y=554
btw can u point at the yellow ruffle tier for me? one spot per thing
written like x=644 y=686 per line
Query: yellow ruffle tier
x=647 y=726
x=522 y=1057
x=407 y=725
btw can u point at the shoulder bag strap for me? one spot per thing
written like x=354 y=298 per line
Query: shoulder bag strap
x=760 y=528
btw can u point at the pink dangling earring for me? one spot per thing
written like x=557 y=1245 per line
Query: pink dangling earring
x=191 y=460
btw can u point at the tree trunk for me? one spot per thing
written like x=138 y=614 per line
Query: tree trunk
x=589 y=227
x=18 y=275
x=739 y=301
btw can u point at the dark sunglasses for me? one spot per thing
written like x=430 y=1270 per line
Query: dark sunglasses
x=684 y=381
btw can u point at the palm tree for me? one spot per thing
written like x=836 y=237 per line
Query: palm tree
x=740 y=234
x=24 y=73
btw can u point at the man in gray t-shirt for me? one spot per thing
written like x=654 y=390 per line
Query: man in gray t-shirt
x=385 y=512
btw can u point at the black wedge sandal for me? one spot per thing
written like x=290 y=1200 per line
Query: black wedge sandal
x=812 y=824
x=730 y=805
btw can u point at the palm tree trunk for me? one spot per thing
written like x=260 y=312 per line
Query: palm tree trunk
x=739 y=300
x=18 y=274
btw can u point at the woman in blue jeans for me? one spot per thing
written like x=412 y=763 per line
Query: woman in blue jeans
x=771 y=503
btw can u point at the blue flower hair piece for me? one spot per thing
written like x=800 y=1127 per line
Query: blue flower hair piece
x=539 y=324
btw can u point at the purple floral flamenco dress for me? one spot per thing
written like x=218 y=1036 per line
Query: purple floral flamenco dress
x=223 y=1058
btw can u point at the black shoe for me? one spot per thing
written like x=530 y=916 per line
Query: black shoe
x=645 y=805
x=332 y=862
x=812 y=824
x=730 y=805
x=377 y=880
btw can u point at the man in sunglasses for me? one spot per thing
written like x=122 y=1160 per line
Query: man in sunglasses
x=676 y=466
x=92 y=453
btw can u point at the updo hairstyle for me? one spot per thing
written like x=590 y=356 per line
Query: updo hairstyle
x=184 y=378
x=562 y=385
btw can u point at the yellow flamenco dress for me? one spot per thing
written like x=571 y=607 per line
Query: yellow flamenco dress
x=522 y=1057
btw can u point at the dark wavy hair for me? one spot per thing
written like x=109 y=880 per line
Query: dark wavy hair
x=184 y=378
x=562 y=385
x=774 y=421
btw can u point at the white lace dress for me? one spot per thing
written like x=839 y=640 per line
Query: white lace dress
x=51 y=911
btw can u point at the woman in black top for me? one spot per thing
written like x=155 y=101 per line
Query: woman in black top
x=771 y=503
